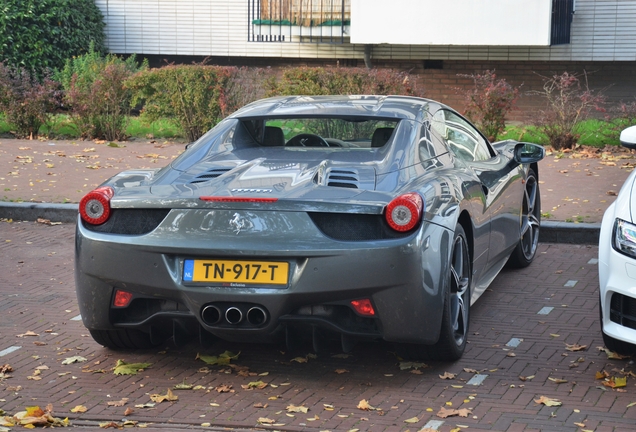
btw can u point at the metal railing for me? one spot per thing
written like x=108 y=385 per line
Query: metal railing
x=318 y=21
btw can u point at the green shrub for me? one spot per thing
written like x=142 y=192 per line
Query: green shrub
x=488 y=102
x=41 y=34
x=25 y=100
x=344 y=81
x=194 y=96
x=99 y=103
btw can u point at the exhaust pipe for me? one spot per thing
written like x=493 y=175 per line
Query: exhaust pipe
x=233 y=315
x=256 y=316
x=211 y=315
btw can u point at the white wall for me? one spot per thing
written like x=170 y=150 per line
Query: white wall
x=451 y=22
x=601 y=30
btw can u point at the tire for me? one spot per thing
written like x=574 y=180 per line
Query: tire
x=618 y=346
x=456 y=312
x=123 y=339
x=526 y=249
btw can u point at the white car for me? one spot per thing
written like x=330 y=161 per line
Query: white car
x=617 y=264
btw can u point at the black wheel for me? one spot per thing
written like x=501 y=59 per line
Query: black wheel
x=618 y=346
x=526 y=249
x=307 y=140
x=123 y=339
x=456 y=313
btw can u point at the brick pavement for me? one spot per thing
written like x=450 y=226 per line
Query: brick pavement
x=37 y=294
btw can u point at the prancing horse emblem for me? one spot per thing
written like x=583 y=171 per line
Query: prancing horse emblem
x=238 y=223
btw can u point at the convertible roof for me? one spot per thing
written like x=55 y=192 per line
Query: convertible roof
x=399 y=107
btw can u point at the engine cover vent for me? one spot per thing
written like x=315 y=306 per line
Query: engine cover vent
x=343 y=178
x=210 y=174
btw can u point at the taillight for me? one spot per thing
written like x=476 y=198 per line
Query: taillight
x=95 y=206
x=404 y=212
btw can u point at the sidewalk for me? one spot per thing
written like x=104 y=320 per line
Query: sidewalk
x=575 y=188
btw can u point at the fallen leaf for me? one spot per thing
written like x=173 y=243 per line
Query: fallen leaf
x=612 y=355
x=558 y=380
x=128 y=411
x=575 y=347
x=74 y=359
x=28 y=333
x=448 y=375
x=297 y=409
x=364 y=405
x=265 y=420
x=183 y=386
x=119 y=403
x=341 y=371
x=473 y=371
x=299 y=359
x=146 y=405
x=528 y=378
x=616 y=382
x=123 y=368
x=223 y=388
x=169 y=396
x=445 y=412
x=79 y=409
x=548 y=402
x=412 y=420
x=221 y=360
x=255 y=385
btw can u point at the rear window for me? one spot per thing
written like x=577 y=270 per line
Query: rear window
x=350 y=133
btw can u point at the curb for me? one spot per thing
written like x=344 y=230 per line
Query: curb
x=551 y=232
x=32 y=211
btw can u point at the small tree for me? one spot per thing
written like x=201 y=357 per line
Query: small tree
x=567 y=103
x=26 y=101
x=489 y=101
x=95 y=93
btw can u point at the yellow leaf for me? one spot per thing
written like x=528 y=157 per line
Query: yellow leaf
x=297 y=409
x=448 y=375
x=412 y=420
x=548 y=402
x=79 y=409
x=265 y=420
x=255 y=385
x=169 y=396
x=558 y=380
x=364 y=405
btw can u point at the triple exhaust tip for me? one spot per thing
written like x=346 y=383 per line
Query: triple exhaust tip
x=212 y=315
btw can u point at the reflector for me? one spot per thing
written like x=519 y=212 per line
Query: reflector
x=363 y=307
x=122 y=298
x=95 y=206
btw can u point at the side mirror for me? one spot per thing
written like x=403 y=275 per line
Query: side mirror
x=526 y=153
x=628 y=137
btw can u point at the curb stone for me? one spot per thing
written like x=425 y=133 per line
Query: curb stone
x=551 y=231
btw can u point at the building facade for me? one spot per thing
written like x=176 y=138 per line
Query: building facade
x=522 y=40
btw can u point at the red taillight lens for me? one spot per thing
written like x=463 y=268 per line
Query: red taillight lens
x=122 y=298
x=95 y=206
x=405 y=212
x=363 y=307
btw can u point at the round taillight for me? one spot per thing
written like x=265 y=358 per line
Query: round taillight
x=404 y=212
x=95 y=206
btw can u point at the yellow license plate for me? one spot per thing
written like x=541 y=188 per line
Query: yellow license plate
x=242 y=272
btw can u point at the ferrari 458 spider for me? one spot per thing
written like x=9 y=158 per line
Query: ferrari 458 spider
x=354 y=217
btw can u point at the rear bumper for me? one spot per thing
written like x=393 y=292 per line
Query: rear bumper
x=404 y=278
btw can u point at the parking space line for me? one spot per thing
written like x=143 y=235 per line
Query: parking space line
x=545 y=310
x=9 y=350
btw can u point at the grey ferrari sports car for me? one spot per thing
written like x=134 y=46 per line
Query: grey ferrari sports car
x=311 y=219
